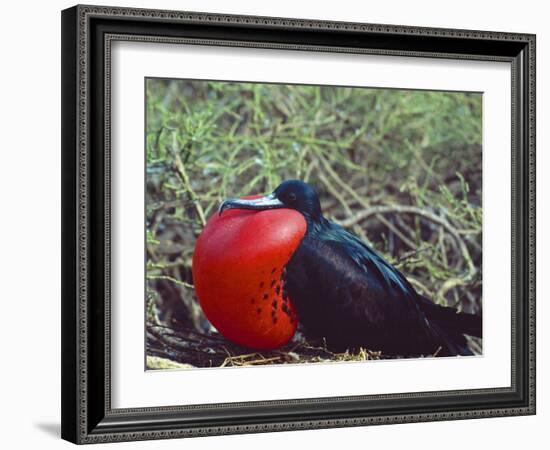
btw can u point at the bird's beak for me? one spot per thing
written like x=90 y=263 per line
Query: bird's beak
x=268 y=202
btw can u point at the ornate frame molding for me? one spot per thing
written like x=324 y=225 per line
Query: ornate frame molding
x=87 y=421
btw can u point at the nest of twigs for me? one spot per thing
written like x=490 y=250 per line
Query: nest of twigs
x=192 y=348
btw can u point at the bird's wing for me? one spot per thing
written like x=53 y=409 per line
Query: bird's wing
x=355 y=295
x=343 y=288
x=448 y=317
x=370 y=263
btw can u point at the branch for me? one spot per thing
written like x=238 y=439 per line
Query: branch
x=172 y=279
x=403 y=209
x=180 y=169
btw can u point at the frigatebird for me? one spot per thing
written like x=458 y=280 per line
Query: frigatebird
x=349 y=296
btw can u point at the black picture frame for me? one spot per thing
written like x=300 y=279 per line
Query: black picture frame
x=87 y=32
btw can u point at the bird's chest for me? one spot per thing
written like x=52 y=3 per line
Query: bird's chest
x=317 y=283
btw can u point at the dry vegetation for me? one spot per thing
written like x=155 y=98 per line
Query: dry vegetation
x=402 y=169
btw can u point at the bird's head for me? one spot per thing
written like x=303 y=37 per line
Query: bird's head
x=293 y=194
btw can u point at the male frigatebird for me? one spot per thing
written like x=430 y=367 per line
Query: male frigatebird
x=348 y=295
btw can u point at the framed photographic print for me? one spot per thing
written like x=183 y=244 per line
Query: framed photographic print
x=256 y=207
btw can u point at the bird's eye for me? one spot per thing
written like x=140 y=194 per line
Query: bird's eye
x=292 y=197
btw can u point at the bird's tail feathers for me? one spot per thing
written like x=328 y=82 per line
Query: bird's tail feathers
x=453 y=343
x=450 y=319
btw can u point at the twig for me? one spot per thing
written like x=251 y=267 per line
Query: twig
x=180 y=168
x=417 y=284
x=335 y=192
x=339 y=180
x=172 y=279
x=397 y=231
x=404 y=209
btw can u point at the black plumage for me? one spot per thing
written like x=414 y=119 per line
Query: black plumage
x=348 y=295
